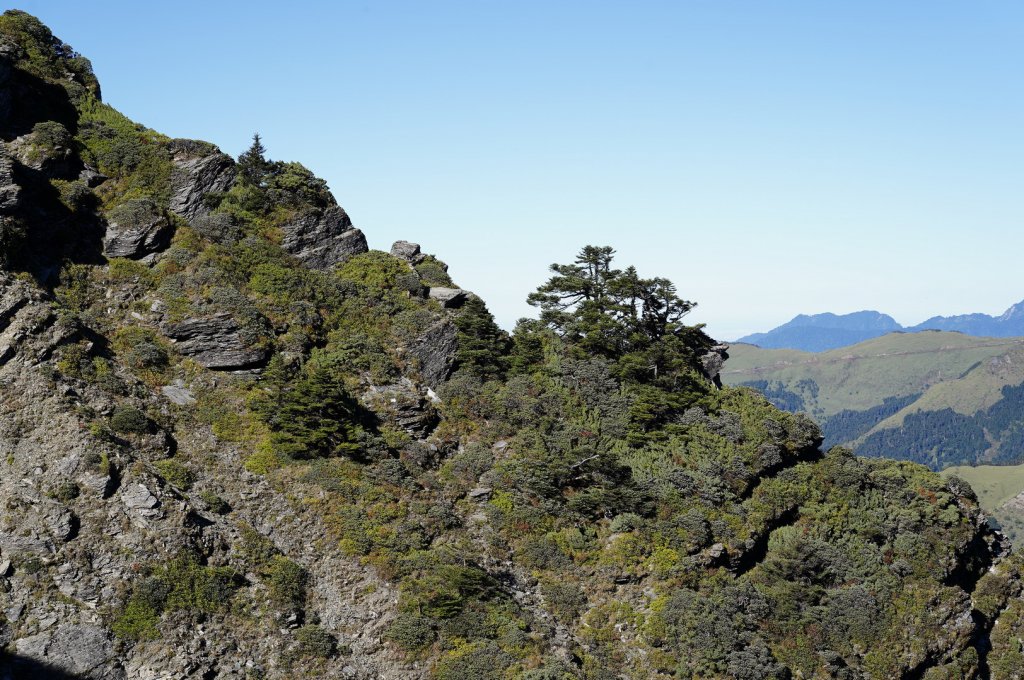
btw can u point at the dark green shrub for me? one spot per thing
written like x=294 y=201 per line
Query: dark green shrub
x=137 y=621
x=315 y=416
x=542 y=553
x=256 y=549
x=433 y=272
x=218 y=228
x=76 y=195
x=410 y=631
x=376 y=270
x=316 y=642
x=388 y=471
x=130 y=420
x=627 y=521
x=286 y=581
x=51 y=134
x=214 y=503
x=65 y=491
x=564 y=598
x=473 y=662
x=175 y=474
x=181 y=584
x=147 y=355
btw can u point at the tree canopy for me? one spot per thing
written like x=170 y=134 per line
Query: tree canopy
x=617 y=313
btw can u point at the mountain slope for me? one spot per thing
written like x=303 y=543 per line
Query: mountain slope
x=937 y=398
x=239 y=444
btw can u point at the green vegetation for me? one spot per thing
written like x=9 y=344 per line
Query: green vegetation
x=286 y=581
x=129 y=420
x=181 y=584
x=863 y=375
x=175 y=474
x=316 y=642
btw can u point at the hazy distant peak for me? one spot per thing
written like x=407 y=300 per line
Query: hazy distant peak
x=1015 y=312
x=867 y=319
x=825 y=331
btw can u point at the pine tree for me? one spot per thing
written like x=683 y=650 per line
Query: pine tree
x=253 y=165
x=483 y=346
x=317 y=416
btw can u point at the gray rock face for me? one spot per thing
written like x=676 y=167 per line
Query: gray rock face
x=10 y=192
x=82 y=650
x=138 y=497
x=410 y=252
x=199 y=169
x=712 y=362
x=215 y=342
x=403 y=405
x=92 y=177
x=136 y=229
x=178 y=394
x=450 y=298
x=434 y=350
x=323 y=238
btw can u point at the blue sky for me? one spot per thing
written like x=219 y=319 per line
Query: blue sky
x=771 y=158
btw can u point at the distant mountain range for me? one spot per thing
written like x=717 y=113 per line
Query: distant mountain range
x=822 y=332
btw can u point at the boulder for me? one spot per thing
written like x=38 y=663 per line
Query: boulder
x=434 y=350
x=138 y=497
x=215 y=342
x=410 y=252
x=199 y=169
x=450 y=298
x=91 y=177
x=178 y=394
x=80 y=650
x=323 y=238
x=712 y=362
x=402 y=405
x=135 y=229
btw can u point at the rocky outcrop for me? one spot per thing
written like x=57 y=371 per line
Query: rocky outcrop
x=10 y=191
x=24 y=318
x=410 y=252
x=136 y=229
x=323 y=238
x=215 y=342
x=199 y=169
x=712 y=361
x=434 y=351
x=450 y=298
x=49 y=149
x=401 y=405
x=81 y=650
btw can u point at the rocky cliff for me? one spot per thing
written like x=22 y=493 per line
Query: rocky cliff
x=236 y=444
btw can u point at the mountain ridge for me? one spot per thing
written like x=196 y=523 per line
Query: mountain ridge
x=825 y=331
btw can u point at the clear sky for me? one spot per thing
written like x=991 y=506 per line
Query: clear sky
x=771 y=158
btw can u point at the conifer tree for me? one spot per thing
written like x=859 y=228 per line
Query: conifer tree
x=253 y=165
x=316 y=416
x=483 y=346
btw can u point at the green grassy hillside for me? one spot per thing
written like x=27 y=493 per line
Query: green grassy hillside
x=935 y=397
x=862 y=375
x=999 y=488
